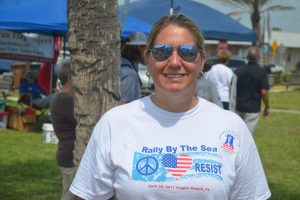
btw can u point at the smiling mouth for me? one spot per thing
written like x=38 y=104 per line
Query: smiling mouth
x=174 y=75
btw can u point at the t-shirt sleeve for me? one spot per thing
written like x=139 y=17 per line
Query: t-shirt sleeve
x=94 y=178
x=265 y=82
x=230 y=77
x=250 y=182
x=23 y=87
x=69 y=110
x=62 y=109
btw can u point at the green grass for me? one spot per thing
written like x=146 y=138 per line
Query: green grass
x=285 y=100
x=28 y=168
x=278 y=141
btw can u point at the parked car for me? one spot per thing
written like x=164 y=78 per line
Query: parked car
x=272 y=68
x=234 y=62
x=147 y=82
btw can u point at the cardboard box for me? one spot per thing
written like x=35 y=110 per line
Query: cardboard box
x=22 y=120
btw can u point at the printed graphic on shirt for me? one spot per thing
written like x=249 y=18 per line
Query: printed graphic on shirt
x=229 y=142
x=177 y=166
x=169 y=163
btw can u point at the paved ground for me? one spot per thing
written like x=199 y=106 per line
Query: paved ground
x=286 y=111
x=281 y=88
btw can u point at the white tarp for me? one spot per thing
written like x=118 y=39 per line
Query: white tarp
x=30 y=47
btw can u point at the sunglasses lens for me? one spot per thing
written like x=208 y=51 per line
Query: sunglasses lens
x=161 y=52
x=188 y=52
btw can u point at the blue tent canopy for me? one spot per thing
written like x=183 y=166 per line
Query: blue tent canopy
x=214 y=24
x=51 y=16
x=34 y=15
x=133 y=24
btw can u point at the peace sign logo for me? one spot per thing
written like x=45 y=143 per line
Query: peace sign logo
x=147 y=165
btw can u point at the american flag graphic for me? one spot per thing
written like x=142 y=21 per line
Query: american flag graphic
x=177 y=165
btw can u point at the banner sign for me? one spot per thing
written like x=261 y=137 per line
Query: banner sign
x=30 y=47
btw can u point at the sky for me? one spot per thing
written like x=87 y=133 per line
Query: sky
x=287 y=21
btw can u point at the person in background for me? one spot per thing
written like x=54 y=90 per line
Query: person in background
x=64 y=124
x=206 y=89
x=32 y=94
x=232 y=94
x=222 y=76
x=252 y=87
x=171 y=145
x=132 y=53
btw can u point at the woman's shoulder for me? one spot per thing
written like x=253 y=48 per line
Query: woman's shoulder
x=219 y=112
x=124 y=110
x=125 y=62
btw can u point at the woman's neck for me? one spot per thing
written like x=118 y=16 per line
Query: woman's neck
x=175 y=104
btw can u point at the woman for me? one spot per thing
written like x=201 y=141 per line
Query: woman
x=222 y=76
x=171 y=144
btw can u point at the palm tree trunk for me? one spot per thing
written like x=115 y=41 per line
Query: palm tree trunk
x=255 y=20
x=94 y=42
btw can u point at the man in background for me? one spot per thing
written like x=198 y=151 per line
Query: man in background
x=132 y=53
x=252 y=86
x=64 y=124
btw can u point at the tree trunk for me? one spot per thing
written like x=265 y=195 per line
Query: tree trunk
x=94 y=42
x=255 y=20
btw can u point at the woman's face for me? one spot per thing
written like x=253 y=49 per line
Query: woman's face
x=174 y=75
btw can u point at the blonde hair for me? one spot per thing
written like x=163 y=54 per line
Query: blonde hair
x=180 y=21
x=223 y=56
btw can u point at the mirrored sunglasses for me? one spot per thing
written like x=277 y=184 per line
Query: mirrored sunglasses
x=162 y=52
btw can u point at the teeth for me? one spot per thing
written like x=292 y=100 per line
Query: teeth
x=174 y=75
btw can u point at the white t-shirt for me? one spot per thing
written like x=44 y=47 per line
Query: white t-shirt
x=139 y=151
x=221 y=76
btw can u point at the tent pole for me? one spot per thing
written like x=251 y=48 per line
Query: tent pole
x=52 y=67
x=171 y=8
x=64 y=44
